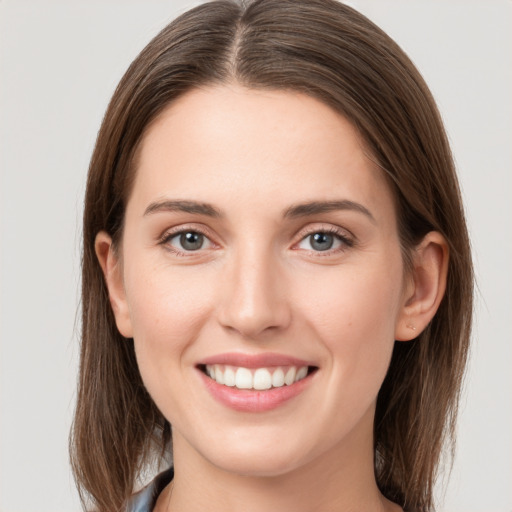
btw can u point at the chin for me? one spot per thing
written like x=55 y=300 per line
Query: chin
x=268 y=467
x=256 y=460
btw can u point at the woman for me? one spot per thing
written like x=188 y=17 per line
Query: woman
x=276 y=270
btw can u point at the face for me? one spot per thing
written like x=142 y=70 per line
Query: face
x=261 y=278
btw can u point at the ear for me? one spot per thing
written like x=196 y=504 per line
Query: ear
x=112 y=271
x=425 y=288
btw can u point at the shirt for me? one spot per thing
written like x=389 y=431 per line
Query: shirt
x=145 y=499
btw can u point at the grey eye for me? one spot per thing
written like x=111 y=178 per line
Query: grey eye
x=191 y=240
x=187 y=241
x=321 y=241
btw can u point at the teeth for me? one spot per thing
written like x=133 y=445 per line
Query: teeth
x=243 y=378
x=229 y=377
x=258 y=379
x=278 y=378
x=262 y=379
x=219 y=375
x=289 y=378
x=301 y=373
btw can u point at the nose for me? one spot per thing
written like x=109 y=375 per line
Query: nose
x=254 y=302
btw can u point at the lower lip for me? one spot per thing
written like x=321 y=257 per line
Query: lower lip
x=248 y=400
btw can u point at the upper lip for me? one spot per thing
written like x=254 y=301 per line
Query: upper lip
x=254 y=360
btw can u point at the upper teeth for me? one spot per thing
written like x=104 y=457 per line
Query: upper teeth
x=258 y=378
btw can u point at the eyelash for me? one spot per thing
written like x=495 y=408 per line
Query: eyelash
x=346 y=241
x=169 y=235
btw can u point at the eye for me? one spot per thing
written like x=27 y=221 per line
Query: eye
x=322 y=241
x=187 y=241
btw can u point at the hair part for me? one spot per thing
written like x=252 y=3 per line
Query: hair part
x=342 y=59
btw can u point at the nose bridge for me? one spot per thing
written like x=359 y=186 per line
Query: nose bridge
x=254 y=301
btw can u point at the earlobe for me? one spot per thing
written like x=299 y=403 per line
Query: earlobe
x=112 y=271
x=426 y=288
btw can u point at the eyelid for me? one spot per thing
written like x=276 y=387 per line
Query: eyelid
x=170 y=233
x=346 y=237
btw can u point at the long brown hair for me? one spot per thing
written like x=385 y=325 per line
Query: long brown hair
x=331 y=52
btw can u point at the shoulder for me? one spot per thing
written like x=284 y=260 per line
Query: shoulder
x=145 y=499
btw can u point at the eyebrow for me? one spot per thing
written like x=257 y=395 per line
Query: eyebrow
x=169 y=205
x=295 y=211
x=317 y=207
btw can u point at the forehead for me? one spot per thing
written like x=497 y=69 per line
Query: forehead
x=221 y=143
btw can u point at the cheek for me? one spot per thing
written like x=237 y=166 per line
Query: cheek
x=168 y=309
x=355 y=318
x=166 y=300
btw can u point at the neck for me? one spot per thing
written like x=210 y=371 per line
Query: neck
x=341 y=479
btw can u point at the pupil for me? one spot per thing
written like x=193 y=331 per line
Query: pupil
x=321 y=241
x=191 y=241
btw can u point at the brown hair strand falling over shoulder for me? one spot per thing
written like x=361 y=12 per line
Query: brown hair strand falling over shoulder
x=329 y=51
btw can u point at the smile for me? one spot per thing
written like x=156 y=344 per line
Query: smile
x=255 y=378
x=255 y=383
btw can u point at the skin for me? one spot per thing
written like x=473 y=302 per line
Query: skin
x=258 y=285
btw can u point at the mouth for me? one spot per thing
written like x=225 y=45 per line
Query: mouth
x=256 y=379
x=255 y=383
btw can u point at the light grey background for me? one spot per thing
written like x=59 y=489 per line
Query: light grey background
x=59 y=64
